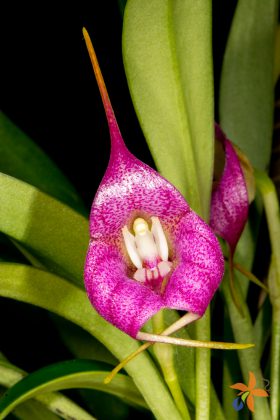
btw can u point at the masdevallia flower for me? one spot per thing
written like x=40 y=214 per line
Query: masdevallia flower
x=230 y=199
x=148 y=250
x=233 y=190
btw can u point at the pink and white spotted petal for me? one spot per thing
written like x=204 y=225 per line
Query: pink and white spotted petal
x=200 y=266
x=117 y=297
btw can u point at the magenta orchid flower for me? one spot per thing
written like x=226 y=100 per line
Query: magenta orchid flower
x=230 y=202
x=148 y=250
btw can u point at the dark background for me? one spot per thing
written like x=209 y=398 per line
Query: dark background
x=49 y=91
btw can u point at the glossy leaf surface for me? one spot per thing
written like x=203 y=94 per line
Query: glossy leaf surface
x=168 y=63
x=66 y=375
x=52 y=231
x=43 y=407
x=246 y=98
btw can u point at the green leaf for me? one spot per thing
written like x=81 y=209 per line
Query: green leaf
x=122 y=4
x=67 y=375
x=184 y=359
x=81 y=343
x=9 y=251
x=57 y=295
x=10 y=374
x=23 y=159
x=168 y=62
x=262 y=327
x=34 y=410
x=54 y=233
x=231 y=373
x=45 y=405
x=243 y=331
x=277 y=55
x=247 y=87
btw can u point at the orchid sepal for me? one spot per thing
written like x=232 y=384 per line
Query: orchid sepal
x=230 y=201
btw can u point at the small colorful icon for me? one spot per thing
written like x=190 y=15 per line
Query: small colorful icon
x=247 y=394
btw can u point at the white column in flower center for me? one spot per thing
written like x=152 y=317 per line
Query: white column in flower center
x=147 y=249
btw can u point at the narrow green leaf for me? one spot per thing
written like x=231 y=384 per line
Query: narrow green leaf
x=23 y=159
x=203 y=368
x=67 y=375
x=262 y=327
x=34 y=410
x=165 y=358
x=277 y=55
x=184 y=359
x=81 y=344
x=228 y=393
x=10 y=374
x=231 y=373
x=84 y=346
x=44 y=407
x=9 y=251
x=243 y=330
x=247 y=86
x=122 y=4
x=168 y=63
x=57 y=295
x=54 y=233
x=272 y=210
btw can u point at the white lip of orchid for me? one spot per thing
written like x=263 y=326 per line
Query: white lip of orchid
x=147 y=246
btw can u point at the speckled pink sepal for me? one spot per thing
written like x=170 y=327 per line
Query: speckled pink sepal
x=230 y=204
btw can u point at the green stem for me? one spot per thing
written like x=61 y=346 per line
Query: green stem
x=274 y=294
x=275 y=365
x=243 y=330
x=250 y=276
x=231 y=282
x=203 y=369
x=165 y=356
x=271 y=206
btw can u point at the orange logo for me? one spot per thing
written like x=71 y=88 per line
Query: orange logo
x=247 y=393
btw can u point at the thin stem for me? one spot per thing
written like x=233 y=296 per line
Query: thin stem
x=124 y=362
x=271 y=206
x=180 y=323
x=250 y=276
x=275 y=365
x=243 y=330
x=203 y=370
x=231 y=282
x=153 y=338
x=165 y=356
x=274 y=294
x=203 y=359
x=200 y=344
